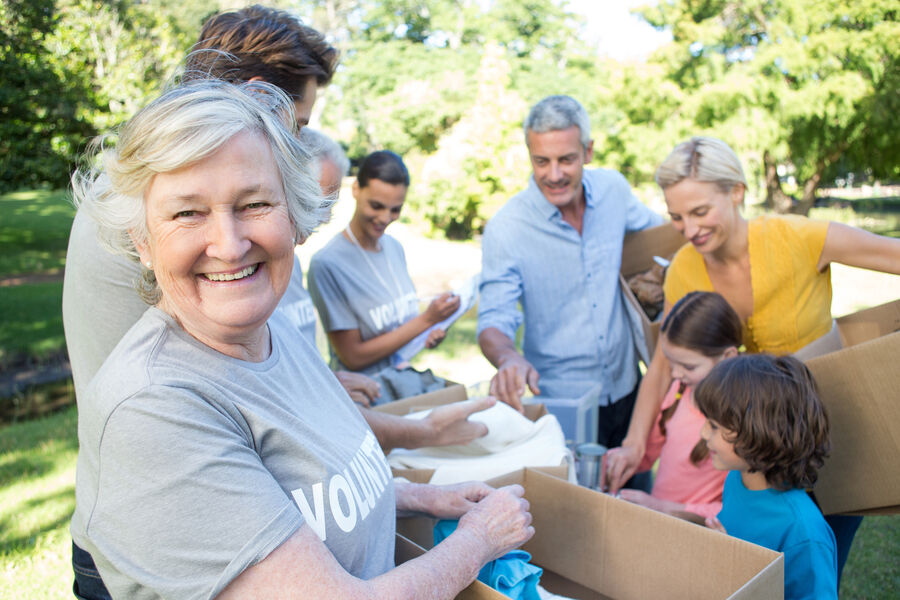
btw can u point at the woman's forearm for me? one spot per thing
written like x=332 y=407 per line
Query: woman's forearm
x=649 y=398
x=357 y=354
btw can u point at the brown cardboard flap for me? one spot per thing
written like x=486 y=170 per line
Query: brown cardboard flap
x=860 y=387
x=639 y=247
x=870 y=323
x=451 y=393
x=405 y=549
x=638 y=250
x=636 y=552
x=593 y=546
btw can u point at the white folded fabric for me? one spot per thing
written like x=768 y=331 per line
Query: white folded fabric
x=512 y=442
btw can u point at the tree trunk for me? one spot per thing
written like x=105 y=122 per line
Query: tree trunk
x=809 y=192
x=776 y=199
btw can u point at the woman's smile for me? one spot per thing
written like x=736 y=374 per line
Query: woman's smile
x=234 y=275
x=221 y=240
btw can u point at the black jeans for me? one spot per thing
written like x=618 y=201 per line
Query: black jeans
x=88 y=584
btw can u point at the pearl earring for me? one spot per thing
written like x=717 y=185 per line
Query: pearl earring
x=149 y=265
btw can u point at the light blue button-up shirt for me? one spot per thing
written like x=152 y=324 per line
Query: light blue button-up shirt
x=577 y=332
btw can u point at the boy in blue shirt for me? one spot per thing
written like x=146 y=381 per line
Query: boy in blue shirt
x=766 y=425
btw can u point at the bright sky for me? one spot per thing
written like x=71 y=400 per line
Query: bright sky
x=615 y=31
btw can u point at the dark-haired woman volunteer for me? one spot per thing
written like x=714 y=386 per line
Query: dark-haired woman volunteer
x=359 y=281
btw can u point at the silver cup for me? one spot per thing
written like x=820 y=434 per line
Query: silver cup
x=589 y=458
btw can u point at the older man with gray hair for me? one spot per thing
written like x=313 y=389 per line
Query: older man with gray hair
x=556 y=248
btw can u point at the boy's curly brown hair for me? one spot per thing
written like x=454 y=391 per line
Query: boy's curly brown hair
x=770 y=404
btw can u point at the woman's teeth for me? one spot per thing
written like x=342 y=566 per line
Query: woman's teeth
x=232 y=276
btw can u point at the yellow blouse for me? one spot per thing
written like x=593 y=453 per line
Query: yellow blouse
x=791 y=299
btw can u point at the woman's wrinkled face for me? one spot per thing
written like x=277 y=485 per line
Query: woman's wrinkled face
x=703 y=213
x=220 y=240
x=378 y=204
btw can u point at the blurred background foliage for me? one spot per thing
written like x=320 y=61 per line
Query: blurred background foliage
x=806 y=91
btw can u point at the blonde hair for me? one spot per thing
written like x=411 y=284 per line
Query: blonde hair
x=185 y=125
x=702 y=159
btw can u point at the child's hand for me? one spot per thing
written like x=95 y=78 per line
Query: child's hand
x=434 y=338
x=714 y=523
x=645 y=499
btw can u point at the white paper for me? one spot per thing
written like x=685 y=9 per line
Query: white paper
x=468 y=294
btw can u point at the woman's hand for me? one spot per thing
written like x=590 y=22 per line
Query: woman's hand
x=453 y=501
x=645 y=499
x=449 y=425
x=442 y=307
x=362 y=389
x=501 y=521
x=434 y=338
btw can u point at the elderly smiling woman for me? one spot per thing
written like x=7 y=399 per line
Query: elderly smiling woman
x=218 y=457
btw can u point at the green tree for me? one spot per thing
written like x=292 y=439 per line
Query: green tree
x=412 y=79
x=42 y=104
x=809 y=85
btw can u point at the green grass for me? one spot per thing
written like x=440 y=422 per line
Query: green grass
x=34 y=231
x=31 y=320
x=37 y=498
x=873 y=569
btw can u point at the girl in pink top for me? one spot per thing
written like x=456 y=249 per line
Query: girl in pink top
x=700 y=331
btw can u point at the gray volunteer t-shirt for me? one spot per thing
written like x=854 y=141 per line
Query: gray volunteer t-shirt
x=297 y=306
x=356 y=289
x=100 y=302
x=194 y=465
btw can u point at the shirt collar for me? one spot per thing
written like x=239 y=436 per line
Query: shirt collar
x=548 y=210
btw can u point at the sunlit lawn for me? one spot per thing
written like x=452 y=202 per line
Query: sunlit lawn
x=31 y=321
x=34 y=231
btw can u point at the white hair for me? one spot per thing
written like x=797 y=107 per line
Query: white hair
x=184 y=125
x=555 y=113
x=323 y=148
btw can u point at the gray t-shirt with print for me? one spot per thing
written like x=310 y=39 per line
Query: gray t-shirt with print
x=194 y=465
x=353 y=288
x=297 y=306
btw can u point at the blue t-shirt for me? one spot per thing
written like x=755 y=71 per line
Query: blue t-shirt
x=788 y=522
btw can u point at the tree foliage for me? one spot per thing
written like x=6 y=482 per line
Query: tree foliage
x=804 y=87
x=71 y=68
x=41 y=105
x=807 y=85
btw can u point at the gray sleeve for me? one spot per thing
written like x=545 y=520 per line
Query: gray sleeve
x=329 y=297
x=183 y=502
x=100 y=302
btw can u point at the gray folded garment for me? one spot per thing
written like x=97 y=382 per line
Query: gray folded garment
x=397 y=384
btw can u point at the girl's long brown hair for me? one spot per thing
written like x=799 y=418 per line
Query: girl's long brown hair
x=702 y=322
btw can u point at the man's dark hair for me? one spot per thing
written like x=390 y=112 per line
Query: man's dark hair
x=258 y=41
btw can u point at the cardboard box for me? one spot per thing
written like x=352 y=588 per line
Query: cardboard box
x=592 y=546
x=405 y=550
x=860 y=387
x=638 y=251
x=449 y=395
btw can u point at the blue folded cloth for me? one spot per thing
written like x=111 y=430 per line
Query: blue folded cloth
x=512 y=574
